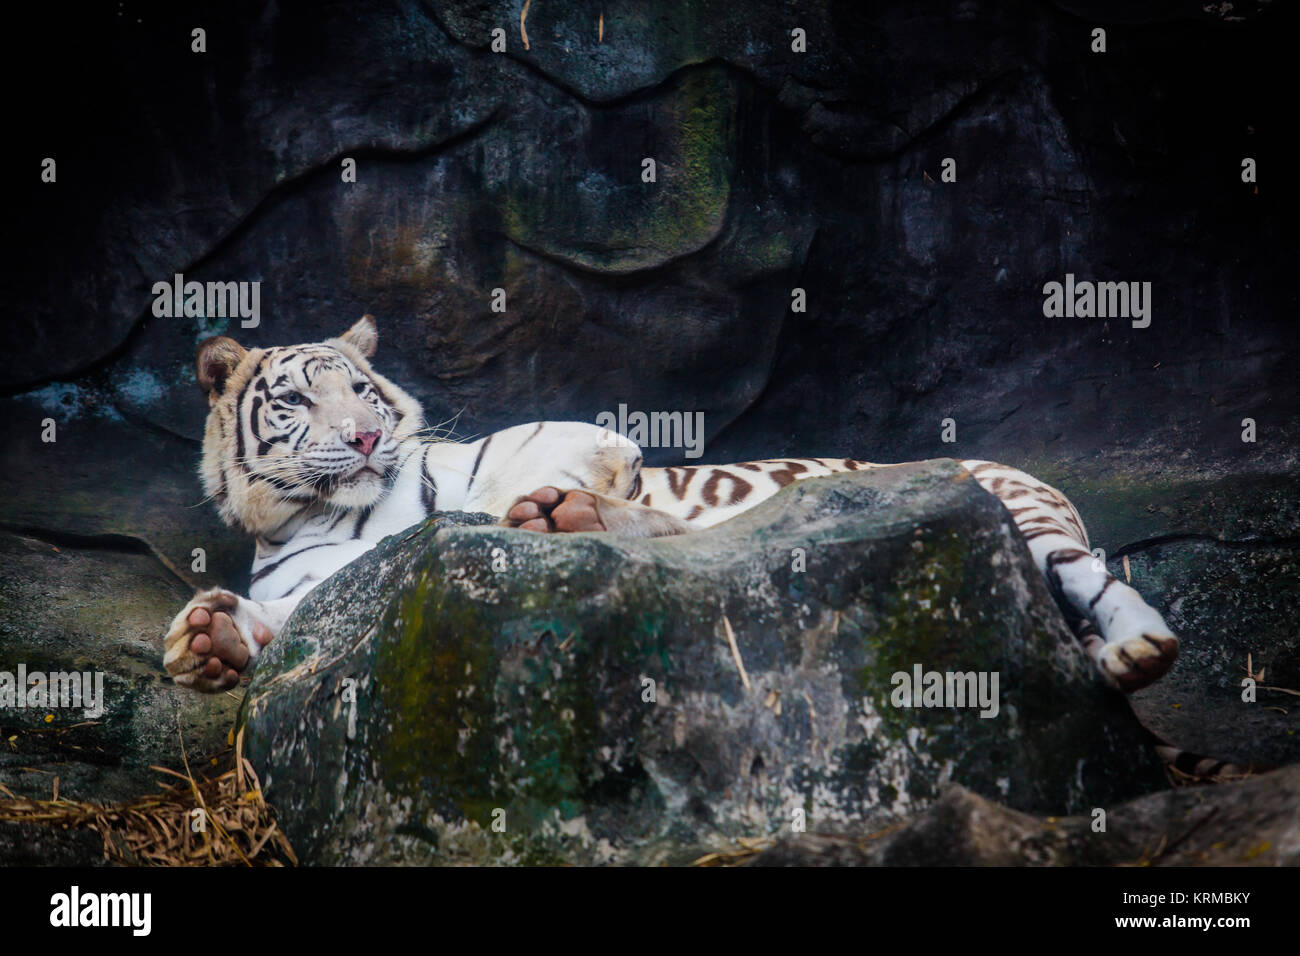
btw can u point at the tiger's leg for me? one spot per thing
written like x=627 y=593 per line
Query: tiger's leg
x=550 y=509
x=1127 y=637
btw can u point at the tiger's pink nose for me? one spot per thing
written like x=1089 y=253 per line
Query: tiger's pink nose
x=364 y=442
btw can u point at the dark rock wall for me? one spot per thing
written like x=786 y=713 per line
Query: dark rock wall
x=521 y=170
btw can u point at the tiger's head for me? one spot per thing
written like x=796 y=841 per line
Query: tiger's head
x=298 y=425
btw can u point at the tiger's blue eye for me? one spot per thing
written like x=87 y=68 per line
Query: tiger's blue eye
x=291 y=398
x=359 y=388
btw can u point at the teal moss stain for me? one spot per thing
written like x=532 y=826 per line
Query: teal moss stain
x=916 y=624
x=296 y=649
x=208 y=326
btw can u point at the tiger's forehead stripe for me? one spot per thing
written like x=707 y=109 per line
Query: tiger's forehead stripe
x=307 y=361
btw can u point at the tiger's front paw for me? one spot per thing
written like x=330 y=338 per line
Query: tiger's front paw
x=1138 y=661
x=210 y=642
x=552 y=510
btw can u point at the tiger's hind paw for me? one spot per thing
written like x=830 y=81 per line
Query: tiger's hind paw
x=1134 y=663
x=552 y=510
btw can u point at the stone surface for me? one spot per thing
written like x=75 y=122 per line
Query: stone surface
x=520 y=689
x=1252 y=823
x=105 y=480
x=96 y=610
x=1232 y=603
x=29 y=844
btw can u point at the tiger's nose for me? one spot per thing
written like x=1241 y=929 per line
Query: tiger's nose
x=364 y=442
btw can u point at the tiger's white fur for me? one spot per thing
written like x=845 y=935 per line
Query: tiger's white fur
x=320 y=457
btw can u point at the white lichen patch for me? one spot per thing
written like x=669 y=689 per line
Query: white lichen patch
x=476 y=585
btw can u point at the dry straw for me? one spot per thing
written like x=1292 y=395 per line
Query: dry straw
x=158 y=829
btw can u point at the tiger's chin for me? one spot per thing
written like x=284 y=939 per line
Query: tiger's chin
x=360 y=490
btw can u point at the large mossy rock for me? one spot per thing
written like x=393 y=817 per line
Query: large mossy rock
x=500 y=675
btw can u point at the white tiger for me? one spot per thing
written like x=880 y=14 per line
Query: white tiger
x=319 y=457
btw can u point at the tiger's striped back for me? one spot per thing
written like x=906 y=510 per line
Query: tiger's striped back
x=705 y=495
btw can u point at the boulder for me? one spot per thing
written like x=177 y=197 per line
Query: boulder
x=602 y=699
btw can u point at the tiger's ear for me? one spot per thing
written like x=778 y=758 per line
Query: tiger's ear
x=216 y=359
x=364 y=336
